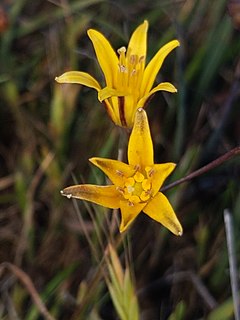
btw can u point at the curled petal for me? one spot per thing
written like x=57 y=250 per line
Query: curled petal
x=129 y=213
x=140 y=146
x=123 y=105
x=160 y=210
x=79 y=77
x=116 y=170
x=138 y=41
x=154 y=66
x=106 y=56
x=164 y=86
x=107 y=92
x=106 y=196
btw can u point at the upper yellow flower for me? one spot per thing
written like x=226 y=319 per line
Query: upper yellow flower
x=135 y=185
x=128 y=83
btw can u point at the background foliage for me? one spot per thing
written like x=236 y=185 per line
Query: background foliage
x=48 y=131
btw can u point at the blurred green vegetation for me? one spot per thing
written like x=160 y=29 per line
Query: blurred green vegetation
x=48 y=131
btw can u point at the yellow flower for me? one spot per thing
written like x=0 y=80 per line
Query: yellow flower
x=128 y=82
x=135 y=185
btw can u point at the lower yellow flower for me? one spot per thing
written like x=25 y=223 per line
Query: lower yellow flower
x=135 y=185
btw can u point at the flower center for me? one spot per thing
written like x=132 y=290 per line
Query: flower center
x=131 y=68
x=137 y=188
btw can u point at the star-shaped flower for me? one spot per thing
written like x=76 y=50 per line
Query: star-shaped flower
x=128 y=82
x=135 y=185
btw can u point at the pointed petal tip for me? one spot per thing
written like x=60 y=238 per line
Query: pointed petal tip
x=94 y=34
x=65 y=193
x=59 y=79
x=93 y=160
x=178 y=230
x=178 y=43
x=145 y=23
x=123 y=228
x=91 y=31
x=140 y=109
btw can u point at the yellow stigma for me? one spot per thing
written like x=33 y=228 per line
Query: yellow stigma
x=137 y=188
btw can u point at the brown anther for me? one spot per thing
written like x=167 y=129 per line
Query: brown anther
x=134 y=71
x=122 y=68
x=151 y=172
x=137 y=167
x=120 y=189
x=119 y=173
x=133 y=59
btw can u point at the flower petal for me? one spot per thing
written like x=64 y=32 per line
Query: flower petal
x=116 y=171
x=160 y=210
x=164 y=86
x=106 y=196
x=79 y=77
x=106 y=56
x=154 y=65
x=140 y=146
x=107 y=92
x=138 y=41
x=159 y=174
x=129 y=213
x=109 y=106
x=129 y=110
x=123 y=105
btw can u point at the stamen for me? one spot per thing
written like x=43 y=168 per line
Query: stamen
x=131 y=204
x=149 y=170
x=119 y=173
x=146 y=185
x=122 y=68
x=120 y=189
x=144 y=196
x=134 y=199
x=137 y=188
x=138 y=177
x=133 y=59
x=137 y=166
x=133 y=72
x=121 y=50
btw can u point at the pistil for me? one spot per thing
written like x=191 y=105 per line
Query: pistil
x=137 y=188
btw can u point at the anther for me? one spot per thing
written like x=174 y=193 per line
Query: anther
x=133 y=59
x=119 y=173
x=122 y=68
x=121 y=50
